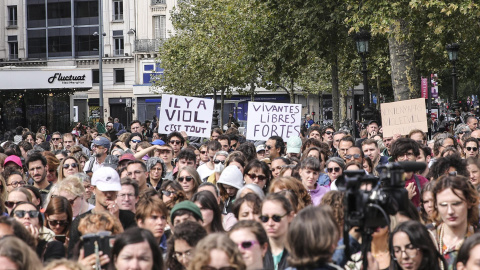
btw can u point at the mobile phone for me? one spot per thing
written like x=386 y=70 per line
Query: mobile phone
x=103 y=240
x=60 y=237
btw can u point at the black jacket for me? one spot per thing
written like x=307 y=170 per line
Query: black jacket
x=268 y=260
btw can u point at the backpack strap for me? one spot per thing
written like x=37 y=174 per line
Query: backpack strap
x=417 y=181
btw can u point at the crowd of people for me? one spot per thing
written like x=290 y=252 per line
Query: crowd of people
x=131 y=198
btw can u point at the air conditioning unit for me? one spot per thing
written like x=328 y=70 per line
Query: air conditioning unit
x=106 y=55
x=126 y=54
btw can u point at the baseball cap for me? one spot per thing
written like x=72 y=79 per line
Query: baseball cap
x=260 y=147
x=13 y=159
x=294 y=145
x=102 y=141
x=187 y=205
x=106 y=179
x=373 y=121
x=158 y=142
x=120 y=132
x=126 y=156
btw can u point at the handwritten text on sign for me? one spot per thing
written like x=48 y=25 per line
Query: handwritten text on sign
x=273 y=119
x=402 y=116
x=189 y=114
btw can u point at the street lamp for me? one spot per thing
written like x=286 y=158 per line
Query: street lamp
x=361 y=39
x=452 y=50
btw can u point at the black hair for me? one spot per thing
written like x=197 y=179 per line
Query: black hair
x=144 y=167
x=224 y=137
x=25 y=135
x=188 y=231
x=249 y=197
x=36 y=157
x=207 y=200
x=249 y=151
x=410 y=211
x=310 y=163
x=265 y=169
x=402 y=145
x=279 y=143
x=214 y=145
x=471 y=139
x=442 y=164
x=187 y=154
x=178 y=135
x=467 y=246
x=131 y=137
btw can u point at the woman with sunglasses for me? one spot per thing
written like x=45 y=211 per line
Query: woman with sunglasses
x=258 y=173
x=181 y=244
x=252 y=241
x=16 y=196
x=212 y=216
x=68 y=166
x=29 y=215
x=133 y=141
x=413 y=248
x=335 y=168
x=189 y=179
x=217 y=252
x=203 y=154
x=277 y=213
x=58 y=218
x=172 y=193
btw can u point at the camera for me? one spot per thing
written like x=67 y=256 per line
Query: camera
x=96 y=242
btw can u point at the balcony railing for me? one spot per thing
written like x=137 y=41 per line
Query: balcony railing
x=117 y=17
x=12 y=23
x=159 y=2
x=147 y=45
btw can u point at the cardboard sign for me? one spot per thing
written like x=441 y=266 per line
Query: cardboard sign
x=273 y=119
x=402 y=116
x=189 y=114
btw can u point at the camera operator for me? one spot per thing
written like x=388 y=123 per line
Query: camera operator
x=405 y=149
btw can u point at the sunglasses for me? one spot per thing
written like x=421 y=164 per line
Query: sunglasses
x=328 y=132
x=461 y=132
x=175 y=142
x=354 y=156
x=73 y=165
x=207 y=267
x=247 y=244
x=216 y=161
x=168 y=193
x=188 y=178
x=55 y=139
x=203 y=152
x=17 y=183
x=268 y=147
x=259 y=177
x=31 y=213
x=275 y=218
x=471 y=148
x=336 y=169
x=11 y=204
x=135 y=141
x=54 y=223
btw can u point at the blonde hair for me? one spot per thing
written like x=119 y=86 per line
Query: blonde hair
x=72 y=184
x=19 y=253
x=216 y=241
x=68 y=264
x=104 y=221
x=293 y=184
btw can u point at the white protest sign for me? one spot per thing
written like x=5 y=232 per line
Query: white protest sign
x=189 y=114
x=402 y=116
x=273 y=119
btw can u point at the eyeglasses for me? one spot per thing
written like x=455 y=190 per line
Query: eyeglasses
x=17 y=183
x=275 y=218
x=405 y=156
x=72 y=201
x=73 y=165
x=31 y=213
x=208 y=267
x=410 y=250
x=203 y=152
x=180 y=255
x=187 y=178
x=168 y=192
x=11 y=204
x=461 y=132
x=54 y=223
x=352 y=156
x=268 y=147
x=134 y=172
x=135 y=141
x=55 y=139
x=471 y=148
x=329 y=132
x=216 y=161
x=175 y=142
x=259 y=177
x=247 y=244
x=336 y=169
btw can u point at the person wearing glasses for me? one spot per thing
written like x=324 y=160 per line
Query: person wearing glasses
x=309 y=172
x=56 y=141
x=252 y=241
x=217 y=252
x=335 y=168
x=327 y=137
x=68 y=166
x=176 y=141
x=137 y=170
x=181 y=245
x=219 y=160
x=58 y=218
x=15 y=179
x=172 y=193
x=128 y=196
x=413 y=248
x=17 y=195
x=470 y=147
x=277 y=213
x=29 y=215
x=189 y=180
x=152 y=215
x=258 y=173
x=209 y=150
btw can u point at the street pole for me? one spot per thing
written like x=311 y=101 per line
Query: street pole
x=100 y=58
x=454 y=85
x=366 y=96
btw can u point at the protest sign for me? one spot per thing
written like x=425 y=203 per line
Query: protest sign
x=273 y=119
x=402 y=116
x=189 y=114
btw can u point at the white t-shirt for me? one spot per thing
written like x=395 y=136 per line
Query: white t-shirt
x=204 y=171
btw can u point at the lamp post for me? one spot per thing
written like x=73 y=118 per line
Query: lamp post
x=452 y=50
x=361 y=39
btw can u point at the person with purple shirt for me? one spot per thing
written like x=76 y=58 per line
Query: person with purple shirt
x=309 y=172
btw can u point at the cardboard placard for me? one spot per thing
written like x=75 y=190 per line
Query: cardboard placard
x=402 y=116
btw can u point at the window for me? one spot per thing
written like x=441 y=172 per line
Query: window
x=95 y=76
x=118 y=43
x=159 y=23
x=37 y=43
x=86 y=43
x=59 y=13
x=13 y=47
x=119 y=75
x=151 y=71
x=158 y=2
x=12 y=16
x=118 y=10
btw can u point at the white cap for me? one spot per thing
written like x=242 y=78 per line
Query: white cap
x=106 y=179
x=260 y=147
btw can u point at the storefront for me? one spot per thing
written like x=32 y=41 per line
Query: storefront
x=33 y=97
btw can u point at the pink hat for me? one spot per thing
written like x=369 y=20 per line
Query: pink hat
x=13 y=159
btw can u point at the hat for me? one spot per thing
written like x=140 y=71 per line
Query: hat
x=187 y=205
x=260 y=147
x=120 y=132
x=373 y=121
x=126 y=156
x=13 y=159
x=106 y=179
x=231 y=176
x=102 y=141
x=294 y=145
x=158 y=142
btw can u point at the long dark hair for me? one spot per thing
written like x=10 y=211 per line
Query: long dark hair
x=133 y=236
x=207 y=200
x=189 y=231
x=265 y=169
x=420 y=238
